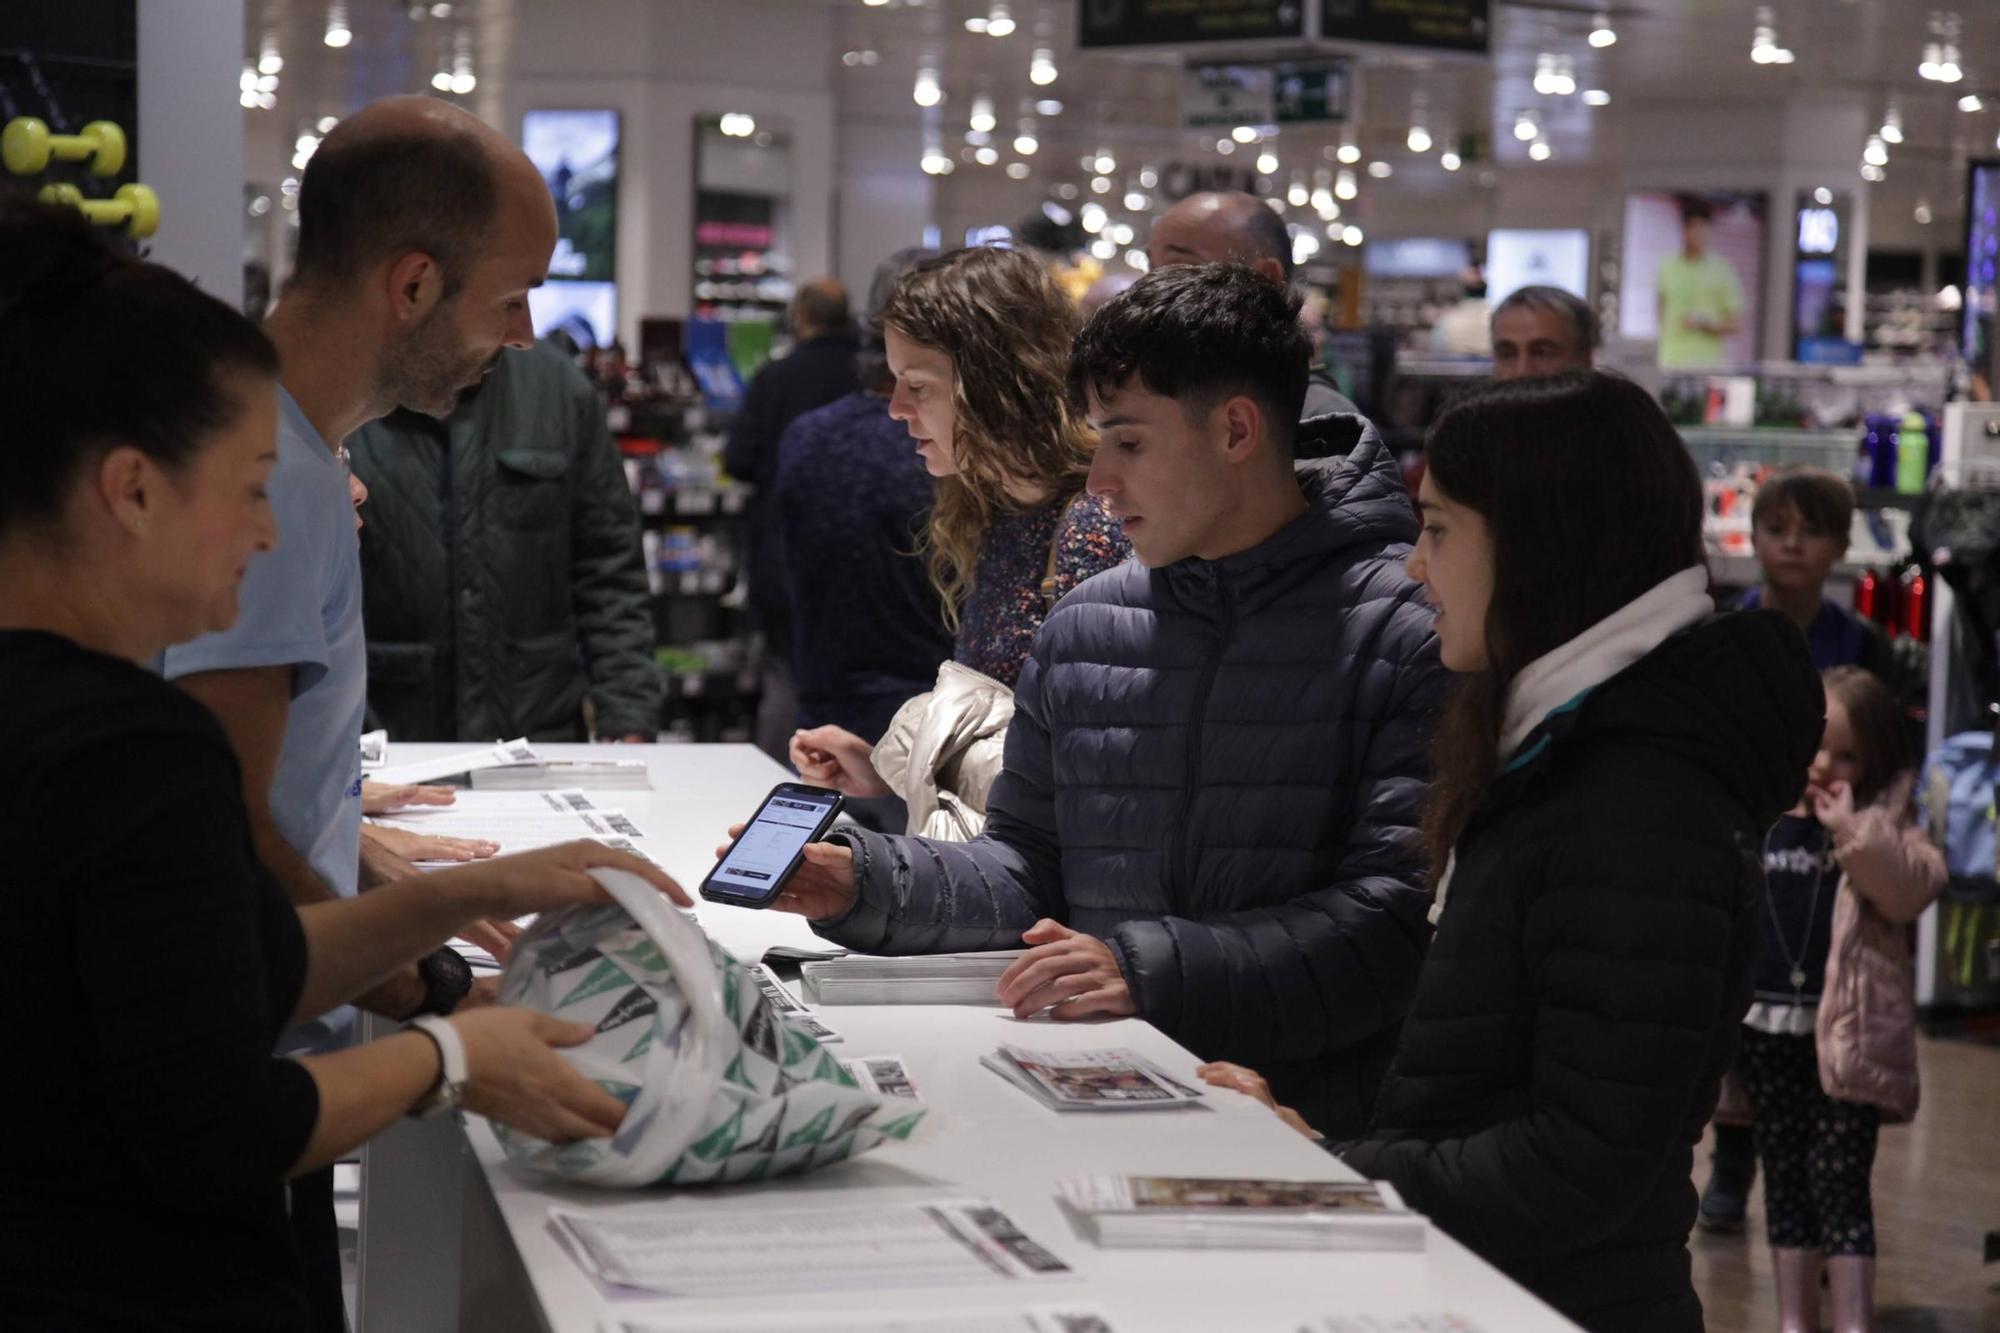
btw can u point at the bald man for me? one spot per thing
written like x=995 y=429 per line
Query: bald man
x=1231 y=227
x=820 y=370
x=420 y=232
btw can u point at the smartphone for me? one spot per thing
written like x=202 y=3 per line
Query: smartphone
x=753 y=871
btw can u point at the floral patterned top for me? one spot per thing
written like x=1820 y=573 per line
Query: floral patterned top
x=1005 y=604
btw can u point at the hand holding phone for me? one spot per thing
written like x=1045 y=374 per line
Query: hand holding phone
x=766 y=852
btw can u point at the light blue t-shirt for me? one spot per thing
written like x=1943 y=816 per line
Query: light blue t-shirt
x=300 y=606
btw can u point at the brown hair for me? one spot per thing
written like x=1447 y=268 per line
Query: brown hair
x=1822 y=498
x=1877 y=724
x=1007 y=328
x=1590 y=500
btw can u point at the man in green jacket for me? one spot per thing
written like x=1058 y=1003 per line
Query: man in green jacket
x=502 y=579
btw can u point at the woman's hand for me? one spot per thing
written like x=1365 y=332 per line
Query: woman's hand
x=1222 y=1074
x=822 y=886
x=415 y=847
x=511 y=886
x=514 y=1075
x=379 y=798
x=837 y=758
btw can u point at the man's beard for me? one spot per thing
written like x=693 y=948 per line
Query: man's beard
x=425 y=370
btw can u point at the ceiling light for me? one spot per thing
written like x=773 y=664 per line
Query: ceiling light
x=1420 y=139
x=1932 y=61
x=927 y=92
x=1540 y=150
x=268 y=59
x=1380 y=170
x=1764 y=48
x=936 y=163
x=1067 y=190
x=1105 y=163
x=1602 y=34
x=1100 y=185
x=1244 y=134
x=1042 y=68
x=441 y=10
x=1304 y=246
x=1450 y=161
x=1148 y=178
x=1104 y=248
x=1353 y=236
x=1923 y=213
x=442 y=80
x=1017 y=171
x=977 y=23
x=1596 y=97
x=1025 y=142
x=1225 y=146
x=1892 y=125
x=1137 y=259
x=1092 y=218
x=737 y=125
x=1297 y=195
x=1971 y=102
x=327 y=122
x=1345 y=186
x=1120 y=232
x=1349 y=153
x=986 y=157
x=1822 y=196
x=1137 y=202
x=1526 y=127
x=1876 y=154
x=1322 y=202
x=464 y=82
x=1870 y=172
x=982 y=118
x=1267 y=162
x=338 y=34
x=1048 y=106
x=999 y=21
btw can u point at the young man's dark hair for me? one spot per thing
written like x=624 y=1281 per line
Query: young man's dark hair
x=1822 y=498
x=1696 y=209
x=1199 y=333
x=376 y=196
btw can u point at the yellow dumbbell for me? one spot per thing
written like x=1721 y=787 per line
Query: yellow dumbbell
x=135 y=207
x=28 y=147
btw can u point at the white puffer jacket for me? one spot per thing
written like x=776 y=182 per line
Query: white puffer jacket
x=943 y=750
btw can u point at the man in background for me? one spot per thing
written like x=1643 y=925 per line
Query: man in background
x=1231 y=227
x=1701 y=301
x=504 y=589
x=819 y=370
x=1542 y=331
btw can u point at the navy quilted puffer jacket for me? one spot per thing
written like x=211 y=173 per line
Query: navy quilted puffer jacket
x=1217 y=767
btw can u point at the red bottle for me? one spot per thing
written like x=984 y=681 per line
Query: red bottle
x=1865 y=589
x=1916 y=605
x=1888 y=602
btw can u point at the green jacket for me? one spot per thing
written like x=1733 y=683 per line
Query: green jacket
x=502 y=579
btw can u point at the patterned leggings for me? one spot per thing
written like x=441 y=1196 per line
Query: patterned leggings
x=1817 y=1152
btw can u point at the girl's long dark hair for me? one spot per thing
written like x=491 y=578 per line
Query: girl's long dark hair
x=1590 y=500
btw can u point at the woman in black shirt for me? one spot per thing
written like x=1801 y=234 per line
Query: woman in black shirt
x=154 y=961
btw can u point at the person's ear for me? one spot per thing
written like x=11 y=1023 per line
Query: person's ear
x=415 y=286
x=127 y=486
x=1240 y=423
x=1270 y=270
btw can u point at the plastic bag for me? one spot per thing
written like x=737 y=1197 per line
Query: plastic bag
x=721 y=1087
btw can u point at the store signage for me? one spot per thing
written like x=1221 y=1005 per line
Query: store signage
x=1819 y=231
x=1178 y=180
x=1108 y=23
x=1220 y=97
x=1436 y=25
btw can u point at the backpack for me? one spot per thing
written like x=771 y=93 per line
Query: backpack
x=1956 y=804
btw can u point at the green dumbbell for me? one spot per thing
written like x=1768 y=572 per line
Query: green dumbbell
x=28 y=147
x=135 y=207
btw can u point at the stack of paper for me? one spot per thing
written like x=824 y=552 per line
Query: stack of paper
x=690 y=1248
x=594 y=774
x=1203 y=1213
x=1107 y=1080
x=1065 y=1318
x=939 y=978
x=788 y=1004
x=516 y=751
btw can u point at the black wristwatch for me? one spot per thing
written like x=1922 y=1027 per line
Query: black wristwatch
x=447 y=980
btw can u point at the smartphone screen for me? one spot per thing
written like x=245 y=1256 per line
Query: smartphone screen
x=789 y=819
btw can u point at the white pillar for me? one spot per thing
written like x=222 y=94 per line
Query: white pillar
x=190 y=137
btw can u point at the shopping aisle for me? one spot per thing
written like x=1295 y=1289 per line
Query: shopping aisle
x=1937 y=1194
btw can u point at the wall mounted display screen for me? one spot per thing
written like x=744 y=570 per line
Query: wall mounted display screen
x=577 y=154
x=1416 y=257
x=1694 y=273
x=1982 y=263
x=1517 y=259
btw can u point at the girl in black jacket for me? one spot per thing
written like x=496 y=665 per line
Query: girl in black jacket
x=1606 y=767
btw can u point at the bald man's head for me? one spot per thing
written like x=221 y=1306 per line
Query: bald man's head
x=1220 y=227
x=821 y=308
x=431 y=227
x=411 y=174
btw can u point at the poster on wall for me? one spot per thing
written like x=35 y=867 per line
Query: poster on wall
x=1982 y=264
x=577 y=153
x=1693 y=278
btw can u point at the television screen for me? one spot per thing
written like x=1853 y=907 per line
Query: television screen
x=1415 y=257
x=1693 y=276
x=577 y=154
x=1517 y=259
x=1982 y=262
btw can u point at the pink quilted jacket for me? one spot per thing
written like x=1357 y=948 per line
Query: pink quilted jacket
x=1867 y=1029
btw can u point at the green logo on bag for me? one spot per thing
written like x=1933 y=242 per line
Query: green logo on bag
x=720 y=1140
x=606 y=976
x=814 y=1130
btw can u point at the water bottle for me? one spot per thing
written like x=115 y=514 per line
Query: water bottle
x=1913 y=455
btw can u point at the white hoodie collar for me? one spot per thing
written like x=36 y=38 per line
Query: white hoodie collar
x=1602 y=651
x=1590 y=659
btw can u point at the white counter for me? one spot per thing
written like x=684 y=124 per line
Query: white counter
x=981 y=1137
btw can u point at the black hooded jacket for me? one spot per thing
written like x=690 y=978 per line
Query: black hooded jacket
x=1581 y=998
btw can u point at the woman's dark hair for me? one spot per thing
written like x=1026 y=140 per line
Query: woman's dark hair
x=1590 y=500
x=1877 y=724
x=99 y=349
